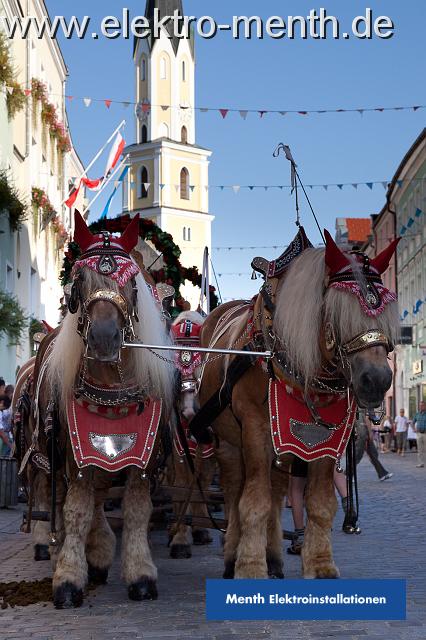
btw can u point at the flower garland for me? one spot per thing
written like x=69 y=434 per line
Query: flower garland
x=49 y=116
x=40 y=200
x=173 y=273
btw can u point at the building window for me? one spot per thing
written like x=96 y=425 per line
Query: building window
x=143 y=70
x=9 y=278
x=163 y=69
x=184 y=184
x=184 y=135
x=189 y=234
x=184 y=233
x=164 y=130
x=144 y=182
x=144 y=134
x=183 y=71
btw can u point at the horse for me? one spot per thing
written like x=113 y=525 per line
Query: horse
x=185 y=331
x=329 y=324
x=100 y=409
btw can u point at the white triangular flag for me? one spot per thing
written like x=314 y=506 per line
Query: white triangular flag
x=146 y=185
x=244 y=114
x=177 y=187
x=9 y=90
x=236 y=188
x=87 y=102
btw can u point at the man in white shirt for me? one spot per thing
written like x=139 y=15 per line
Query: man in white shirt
x=401 y=427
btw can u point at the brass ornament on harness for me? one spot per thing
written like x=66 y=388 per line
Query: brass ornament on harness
x=366 y=340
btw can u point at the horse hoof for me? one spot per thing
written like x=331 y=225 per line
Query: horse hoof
x=180 y=551
x=67 y=595
x=97 y=576
x=201 y=537
x=41 y=552
x=229 y=572
x=275 y=568
x=144 y=589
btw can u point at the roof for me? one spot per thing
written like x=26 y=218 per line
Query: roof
x=165 y=8
x=405 y=159
x=358 y=229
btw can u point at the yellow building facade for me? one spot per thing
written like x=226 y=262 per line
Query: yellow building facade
x=168 y=180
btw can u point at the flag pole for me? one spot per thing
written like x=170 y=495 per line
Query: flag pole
x=106 y=183
x=100 y=152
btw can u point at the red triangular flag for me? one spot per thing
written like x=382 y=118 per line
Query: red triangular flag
x=146 y=107
x=27 y=92
x=224 y=113
x=108 y=103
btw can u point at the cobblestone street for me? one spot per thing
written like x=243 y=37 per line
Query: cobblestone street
x=391 y=546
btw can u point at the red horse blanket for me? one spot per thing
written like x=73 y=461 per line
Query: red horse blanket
x=207 y=450
x=113 y=438
x=294 y=430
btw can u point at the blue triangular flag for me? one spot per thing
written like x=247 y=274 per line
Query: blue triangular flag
x=418 y=213
x=410 y=223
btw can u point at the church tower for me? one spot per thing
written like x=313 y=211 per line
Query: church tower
x=168 y=177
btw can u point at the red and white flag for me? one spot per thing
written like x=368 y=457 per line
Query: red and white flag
x=114 y=154
x=95 y=185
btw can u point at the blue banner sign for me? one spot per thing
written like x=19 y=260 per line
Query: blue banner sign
x=306 y=599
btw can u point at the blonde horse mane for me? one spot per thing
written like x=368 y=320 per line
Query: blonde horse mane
x=302 y=308
x=154 y=376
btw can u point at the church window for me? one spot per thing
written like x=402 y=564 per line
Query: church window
x=183 y=71
x=144 y=133
x=184 y=135
x=144 y=180
x=143 y=70
x=163 y=68
x=184 y=184
x=184 y=233
x=188 y=235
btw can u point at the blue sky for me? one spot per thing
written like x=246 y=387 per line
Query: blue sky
x=280 y=74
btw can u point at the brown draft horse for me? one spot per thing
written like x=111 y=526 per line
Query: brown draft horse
x=179 y=473
x=83 y=364
x=317 y=332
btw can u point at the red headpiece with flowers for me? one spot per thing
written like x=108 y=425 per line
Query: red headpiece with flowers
x=374 y=297
x=105 y=254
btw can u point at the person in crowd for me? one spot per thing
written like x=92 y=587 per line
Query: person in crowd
x=386 y=434
x=5 y=426
x=350 y=524
x=411 y=437
x=401 y=428
x=8 y=391
x=299 y=473
x=2 y=386
x=419 y=423
x=364 y=427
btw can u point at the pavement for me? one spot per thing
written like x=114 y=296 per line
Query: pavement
x=391 y=545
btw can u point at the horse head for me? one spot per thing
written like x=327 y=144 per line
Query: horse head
x=185 y=331
x=104 y=289
x=334 y=319
x=354 y=287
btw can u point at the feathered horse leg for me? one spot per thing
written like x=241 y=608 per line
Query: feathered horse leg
x=321 y=507
x=139 y=570
x=100 y=545
x=274 y=549
x=70 y=576
x=255 y=503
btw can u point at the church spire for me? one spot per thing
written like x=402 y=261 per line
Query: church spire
x=165 y=8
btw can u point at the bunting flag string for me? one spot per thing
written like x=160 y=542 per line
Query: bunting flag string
x=224 y=112
x=236 y=188
x=410 y=222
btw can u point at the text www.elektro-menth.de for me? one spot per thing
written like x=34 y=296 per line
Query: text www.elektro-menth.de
x=318 y=25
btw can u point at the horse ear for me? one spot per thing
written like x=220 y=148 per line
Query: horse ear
x=130 y=237
x=335 y=259
x=82 y=235
x=381 y=262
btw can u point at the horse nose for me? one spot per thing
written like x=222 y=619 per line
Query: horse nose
x=104 y=337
